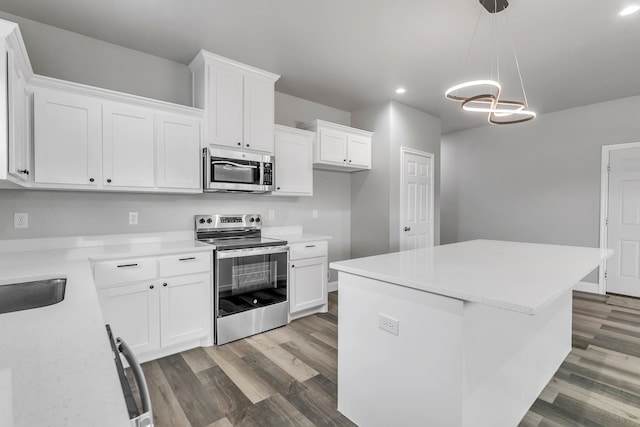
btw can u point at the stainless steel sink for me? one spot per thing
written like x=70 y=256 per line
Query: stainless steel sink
x=35 y=294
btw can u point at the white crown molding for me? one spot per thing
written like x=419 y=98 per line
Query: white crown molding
x=207 y=57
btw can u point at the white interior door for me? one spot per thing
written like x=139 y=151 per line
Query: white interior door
x=416 y=199
x=623 y=228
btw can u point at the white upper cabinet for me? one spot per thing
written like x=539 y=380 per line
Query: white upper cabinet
x=127 y=146
x=225 y=114
x=294 y=162
x=15 y=108
x=19 y=103
x=177 y=152
x=67 y=138
x=238 y=101
x=340 y=148
x=88 y=138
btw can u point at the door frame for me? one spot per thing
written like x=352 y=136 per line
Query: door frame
x=604 y=205
x=403 y=152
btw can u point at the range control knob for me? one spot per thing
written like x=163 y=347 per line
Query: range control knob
x=252 y=219
x=201 y=221
x=257 y=219
x=209 y=220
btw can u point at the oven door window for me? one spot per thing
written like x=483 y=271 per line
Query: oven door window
x=235 y=171
x=248 y=282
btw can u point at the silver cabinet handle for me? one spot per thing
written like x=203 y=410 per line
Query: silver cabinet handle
x=310 y=246
x=187 y=259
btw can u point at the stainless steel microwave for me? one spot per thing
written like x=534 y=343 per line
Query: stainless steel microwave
x=237 y=171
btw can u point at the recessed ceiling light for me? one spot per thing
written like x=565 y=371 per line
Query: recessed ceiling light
x=629 y=10
x=400 y=90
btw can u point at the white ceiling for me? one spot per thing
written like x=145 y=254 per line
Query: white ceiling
x=350 y=54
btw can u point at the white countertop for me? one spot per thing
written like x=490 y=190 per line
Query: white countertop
x=293 y=234
x=300 y=238
x=56 y=363
x=522 y=277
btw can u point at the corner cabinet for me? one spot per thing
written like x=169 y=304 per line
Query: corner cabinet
x=308 y=289
x=294 y=162
x=86 y=141
x=15 y=114
x=158 y=305
x=238 y=101
x=338 y=147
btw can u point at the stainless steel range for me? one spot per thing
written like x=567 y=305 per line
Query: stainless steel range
x=250 y=278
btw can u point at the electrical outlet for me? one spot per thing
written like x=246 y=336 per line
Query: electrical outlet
x=314 y=213
x=389 y=324
x=133 y=218
x=272 y=214
x=20 y=220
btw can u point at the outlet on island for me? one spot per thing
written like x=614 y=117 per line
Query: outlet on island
x=388 y=323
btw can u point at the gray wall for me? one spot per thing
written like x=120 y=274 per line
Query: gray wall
x=534 y=182
x=370 y=189
x=375 y=198
x=61 y=54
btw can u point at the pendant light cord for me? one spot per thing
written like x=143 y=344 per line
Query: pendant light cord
x=473 y=38
x=515 y=56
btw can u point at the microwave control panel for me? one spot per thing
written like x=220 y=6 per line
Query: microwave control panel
x=267 y=176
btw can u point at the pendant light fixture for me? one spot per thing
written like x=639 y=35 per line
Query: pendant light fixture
x=484 y=96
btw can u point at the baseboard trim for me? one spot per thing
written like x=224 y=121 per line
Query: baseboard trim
x=587 y=287
x=332 y=286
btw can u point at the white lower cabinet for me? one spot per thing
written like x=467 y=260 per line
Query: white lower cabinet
x=308 y=266
x=166 y=313
x=133 y=311
x=185 y=312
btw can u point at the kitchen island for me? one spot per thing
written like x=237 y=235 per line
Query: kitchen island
x=466 y=334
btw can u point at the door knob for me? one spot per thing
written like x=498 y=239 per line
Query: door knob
x=407 y=229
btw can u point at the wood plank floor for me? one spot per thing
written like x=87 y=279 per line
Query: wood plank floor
x=288 y=376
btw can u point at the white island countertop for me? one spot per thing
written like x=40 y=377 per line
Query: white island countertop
x=56 y=364
x=522 y=277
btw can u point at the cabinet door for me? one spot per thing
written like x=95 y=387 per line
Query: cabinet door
x=67 y=138
x=133 y=313
x=19 y=137
x=332 y=147
x=128 y=146
x=186 y=309
x=225 y=106
x=178 y=152
x=258 y=114
x=308 y=283
x=359 y=151
x=293 y=164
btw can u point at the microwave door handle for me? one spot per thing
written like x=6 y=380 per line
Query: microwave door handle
x=145 y=398
x=234 y=164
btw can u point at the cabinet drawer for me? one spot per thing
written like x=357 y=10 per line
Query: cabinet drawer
x=125 y=271
x=308 y=250
x=177 y=265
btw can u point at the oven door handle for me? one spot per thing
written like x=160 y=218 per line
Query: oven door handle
x=145 y=398
x=241 y=253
